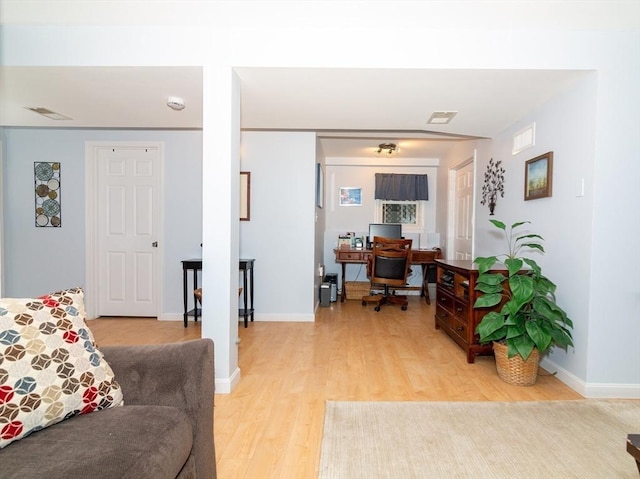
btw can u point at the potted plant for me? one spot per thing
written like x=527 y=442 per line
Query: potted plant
x=529 y=322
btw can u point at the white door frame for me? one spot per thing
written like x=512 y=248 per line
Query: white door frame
x=91 y=223
x=451 y=202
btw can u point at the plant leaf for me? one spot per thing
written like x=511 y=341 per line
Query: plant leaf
x=562 y=338
x=533 y=265
x=491 y=323
x=521 y=286
x=499 y=224
x=488 y=300
x=538 y=335
x=513 y=265
x=521 y=345
x=489 y=288
x=537 y=246
x=515 y=330
x=519 y=223
x=485 y=264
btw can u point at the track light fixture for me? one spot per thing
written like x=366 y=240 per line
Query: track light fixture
x=387 y=149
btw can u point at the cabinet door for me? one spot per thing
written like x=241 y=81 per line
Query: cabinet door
x=461 y=311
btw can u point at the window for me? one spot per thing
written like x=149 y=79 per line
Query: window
x=407 y=213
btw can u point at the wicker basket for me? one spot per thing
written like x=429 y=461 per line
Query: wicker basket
x=515 y=370
x=358 y=289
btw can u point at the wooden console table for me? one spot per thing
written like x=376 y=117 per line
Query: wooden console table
x=426 y=258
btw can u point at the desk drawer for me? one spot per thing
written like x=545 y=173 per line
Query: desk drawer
x=356 y=256
x=459 y=328
x=445 y=301
x=424 y=256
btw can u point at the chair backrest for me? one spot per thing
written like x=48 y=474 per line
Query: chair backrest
x=390 y=261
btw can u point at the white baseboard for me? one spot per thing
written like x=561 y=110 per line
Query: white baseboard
x=592 y=390
x=227 y=385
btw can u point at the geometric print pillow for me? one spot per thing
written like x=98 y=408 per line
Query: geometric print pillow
x=50 y=367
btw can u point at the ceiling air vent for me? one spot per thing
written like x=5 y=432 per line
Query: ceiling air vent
x=52 y=115
x=441 y=117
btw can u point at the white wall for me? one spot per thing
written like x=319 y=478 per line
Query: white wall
x=320 y=220
x=42 y=260
x=281 y=232
x=565 y=220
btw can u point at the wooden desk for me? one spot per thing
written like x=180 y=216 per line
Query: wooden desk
x=426 y=258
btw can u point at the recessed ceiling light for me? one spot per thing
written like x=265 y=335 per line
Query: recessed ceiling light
x=441 y=117
x=52 y=115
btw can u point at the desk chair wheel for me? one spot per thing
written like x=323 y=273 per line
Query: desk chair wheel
x=364 y=303
x=403 y=307
x=377 y=309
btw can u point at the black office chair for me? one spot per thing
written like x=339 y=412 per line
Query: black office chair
x=388 y=266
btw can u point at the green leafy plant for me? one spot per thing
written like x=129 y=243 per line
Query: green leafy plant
x=529 y=317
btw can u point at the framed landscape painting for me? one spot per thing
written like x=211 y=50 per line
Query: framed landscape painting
x=538 y=176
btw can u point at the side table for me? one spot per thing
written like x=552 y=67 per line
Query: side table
x=246 y=267
x=194 y=265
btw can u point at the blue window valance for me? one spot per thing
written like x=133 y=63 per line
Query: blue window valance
x=391 y=186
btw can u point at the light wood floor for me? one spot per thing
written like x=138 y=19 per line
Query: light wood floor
x=271 y=425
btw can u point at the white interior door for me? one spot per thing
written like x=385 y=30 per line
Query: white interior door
x=463 y=208
x=127 y=215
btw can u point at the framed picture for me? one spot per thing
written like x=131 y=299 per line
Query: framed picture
x=245 y=195
x=538 y=175
x=319 y=186
x=350 y=196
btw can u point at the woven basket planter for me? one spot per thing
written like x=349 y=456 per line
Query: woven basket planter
x=515 y=370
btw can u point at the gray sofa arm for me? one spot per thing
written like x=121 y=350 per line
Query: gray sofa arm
x=175 y=374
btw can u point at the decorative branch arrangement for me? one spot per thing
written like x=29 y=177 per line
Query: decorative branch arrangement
x=493 y=184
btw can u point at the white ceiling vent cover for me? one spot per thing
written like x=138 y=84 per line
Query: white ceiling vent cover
x=441 y=117
x=524 y=139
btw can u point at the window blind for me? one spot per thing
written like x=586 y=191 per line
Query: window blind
x=396 y=187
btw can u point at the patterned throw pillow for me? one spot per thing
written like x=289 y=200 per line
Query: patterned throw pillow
x=50 y=367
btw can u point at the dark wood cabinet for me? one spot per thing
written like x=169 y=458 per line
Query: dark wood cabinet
x=455 y=296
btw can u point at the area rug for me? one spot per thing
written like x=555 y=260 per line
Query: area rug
x=540 y=439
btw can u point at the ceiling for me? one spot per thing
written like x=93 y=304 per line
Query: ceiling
x=353 y=110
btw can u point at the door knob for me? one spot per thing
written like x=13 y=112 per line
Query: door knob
x=154 y=244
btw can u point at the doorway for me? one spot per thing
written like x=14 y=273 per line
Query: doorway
x=123 y=219
x=461 y=210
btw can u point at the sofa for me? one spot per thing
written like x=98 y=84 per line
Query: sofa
x=164 y=429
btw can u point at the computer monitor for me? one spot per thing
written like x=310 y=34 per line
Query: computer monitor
x=393 y=231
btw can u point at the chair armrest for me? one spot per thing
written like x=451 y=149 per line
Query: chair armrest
x=175 y=374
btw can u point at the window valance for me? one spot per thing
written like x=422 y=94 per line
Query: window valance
x=391 y=186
